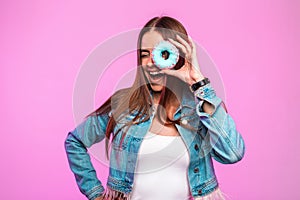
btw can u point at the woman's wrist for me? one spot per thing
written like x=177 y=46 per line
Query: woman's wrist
x=198 y=78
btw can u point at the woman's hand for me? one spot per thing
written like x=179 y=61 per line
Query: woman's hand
x=189 y=72
x=99 y=198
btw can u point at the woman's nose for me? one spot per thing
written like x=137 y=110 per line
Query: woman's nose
x=150 y=60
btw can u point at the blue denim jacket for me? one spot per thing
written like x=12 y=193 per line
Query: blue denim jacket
x=215 y=137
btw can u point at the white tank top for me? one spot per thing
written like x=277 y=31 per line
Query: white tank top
x=161 y=171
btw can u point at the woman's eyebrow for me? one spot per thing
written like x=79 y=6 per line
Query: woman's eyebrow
x=145 y=50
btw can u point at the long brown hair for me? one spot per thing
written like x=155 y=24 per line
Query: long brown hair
x=138 y=96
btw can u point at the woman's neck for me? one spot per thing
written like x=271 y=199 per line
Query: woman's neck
x=156 y=97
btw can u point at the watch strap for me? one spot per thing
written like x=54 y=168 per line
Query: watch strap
x=199 y=84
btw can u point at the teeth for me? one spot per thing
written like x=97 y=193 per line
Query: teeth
x=154 y=73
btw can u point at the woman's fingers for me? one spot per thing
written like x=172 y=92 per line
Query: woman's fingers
x=185 y=43
x=190 y=69
x=179 y=45
x=180 y=73
x=195 y=63
x=192 y=44
x=169 y=72
x=185 y=46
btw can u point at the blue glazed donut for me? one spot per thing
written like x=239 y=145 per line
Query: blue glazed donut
x=165 y=55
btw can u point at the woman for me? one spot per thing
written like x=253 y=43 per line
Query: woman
x=163 y=131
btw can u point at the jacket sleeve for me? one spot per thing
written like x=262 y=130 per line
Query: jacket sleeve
x=227 y=143
x=87 y=133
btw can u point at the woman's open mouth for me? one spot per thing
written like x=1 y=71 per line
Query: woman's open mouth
x=155 y=75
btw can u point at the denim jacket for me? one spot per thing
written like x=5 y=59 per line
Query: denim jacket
x=215 y=137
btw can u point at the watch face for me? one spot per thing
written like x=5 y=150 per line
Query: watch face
x=195 y=86
x=191 y=88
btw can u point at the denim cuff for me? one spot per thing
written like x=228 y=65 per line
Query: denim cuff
x=95 y=192
x=207 y=93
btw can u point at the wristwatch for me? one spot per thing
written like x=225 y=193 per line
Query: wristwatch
x=199 y=84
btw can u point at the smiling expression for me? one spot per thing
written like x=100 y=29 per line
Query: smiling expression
x=156 y=80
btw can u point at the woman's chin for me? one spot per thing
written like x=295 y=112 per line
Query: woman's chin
x=158 y=84
x=157 y=88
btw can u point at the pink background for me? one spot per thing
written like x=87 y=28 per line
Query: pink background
x=255 y=45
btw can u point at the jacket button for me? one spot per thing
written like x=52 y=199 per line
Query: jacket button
x=199 y=191
x=184 y=122
x=196 y=170
x=196 y=147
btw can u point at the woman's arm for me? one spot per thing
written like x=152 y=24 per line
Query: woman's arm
x=227 y=143
x=89 y=132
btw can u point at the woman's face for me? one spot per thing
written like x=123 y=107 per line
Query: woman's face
x=149 y=40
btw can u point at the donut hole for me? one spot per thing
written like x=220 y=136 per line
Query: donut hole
x=165 y=54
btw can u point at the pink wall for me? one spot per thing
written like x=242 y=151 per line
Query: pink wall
x=254 y=44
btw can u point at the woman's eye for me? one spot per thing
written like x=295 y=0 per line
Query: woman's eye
x=144 y=55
